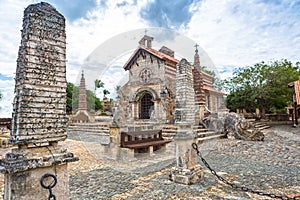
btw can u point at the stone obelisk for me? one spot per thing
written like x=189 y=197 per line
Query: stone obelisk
x=39 y=118
x=82 y=115
x=187 y=170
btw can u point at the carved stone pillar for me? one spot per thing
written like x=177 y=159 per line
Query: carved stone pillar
x=187 y=171
x=39 y=110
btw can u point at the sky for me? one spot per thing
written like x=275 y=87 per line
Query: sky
x=232 y=33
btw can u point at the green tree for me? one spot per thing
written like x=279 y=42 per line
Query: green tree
x=210 y=72
x=262 y=86
x=98 y=84
x=93 y=103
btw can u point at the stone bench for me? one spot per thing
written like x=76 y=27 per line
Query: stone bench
x=143 y=141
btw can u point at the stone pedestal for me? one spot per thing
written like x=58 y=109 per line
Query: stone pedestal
x=24 y=167
x=187 y=170
x=113 y=149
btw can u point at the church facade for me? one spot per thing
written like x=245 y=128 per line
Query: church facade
x=149 y=94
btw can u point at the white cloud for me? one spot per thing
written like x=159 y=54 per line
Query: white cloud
x=240 y=33
x=83 y=34
x=233 y=33
x=86 y=34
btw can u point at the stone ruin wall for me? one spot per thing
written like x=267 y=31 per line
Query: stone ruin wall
x=39 y=106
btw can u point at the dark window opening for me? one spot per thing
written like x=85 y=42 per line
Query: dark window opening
x=146 y=106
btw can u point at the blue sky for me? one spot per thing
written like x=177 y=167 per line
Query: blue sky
x=234 y=33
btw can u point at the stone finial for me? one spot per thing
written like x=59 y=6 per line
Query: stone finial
x=196 y=57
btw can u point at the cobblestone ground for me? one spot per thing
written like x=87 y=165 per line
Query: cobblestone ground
x=272 y=166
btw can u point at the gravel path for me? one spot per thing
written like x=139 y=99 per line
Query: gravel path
x=272 y=166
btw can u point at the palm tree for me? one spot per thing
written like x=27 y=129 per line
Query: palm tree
x=105 y=92
x=117 y=88
x=98 y=84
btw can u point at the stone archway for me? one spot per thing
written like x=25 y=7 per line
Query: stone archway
x=146 y=106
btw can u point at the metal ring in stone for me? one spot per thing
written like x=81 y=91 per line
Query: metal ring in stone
x=52 y=184
x=195 y=146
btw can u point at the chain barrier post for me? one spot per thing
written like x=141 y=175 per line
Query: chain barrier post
x=237 y=187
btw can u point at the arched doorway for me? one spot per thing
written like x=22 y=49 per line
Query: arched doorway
x=146 y=106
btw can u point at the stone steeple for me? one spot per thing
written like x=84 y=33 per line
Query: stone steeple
x=146 y=41
x=198 y=80
x=82 y=104
x=196 y=57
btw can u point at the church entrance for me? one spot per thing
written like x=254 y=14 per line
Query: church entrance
x=146 y=106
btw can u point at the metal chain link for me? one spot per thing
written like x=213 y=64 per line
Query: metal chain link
x=242 y=188
x=50 y=186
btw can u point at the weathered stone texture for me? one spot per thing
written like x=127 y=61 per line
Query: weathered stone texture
x=185 y=95
x=39 y=106
x=21 y=183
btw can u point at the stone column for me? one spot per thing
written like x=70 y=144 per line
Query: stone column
x=187 y=171
x=39 y=119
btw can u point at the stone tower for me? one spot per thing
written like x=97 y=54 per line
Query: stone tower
x=198 y=87
x=39 y=110
x=82 y=105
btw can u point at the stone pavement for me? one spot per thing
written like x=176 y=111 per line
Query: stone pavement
x=271 y=166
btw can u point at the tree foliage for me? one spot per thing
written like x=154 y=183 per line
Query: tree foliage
x=262 y=86
x=93 y=103
x=206 y=70
x=98 y=84
x=105 y=92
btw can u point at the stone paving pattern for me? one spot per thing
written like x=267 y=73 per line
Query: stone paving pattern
x=271 y=166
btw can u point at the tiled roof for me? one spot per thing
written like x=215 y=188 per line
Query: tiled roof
x=161 y=55
x=205 y=87
x=156 y=53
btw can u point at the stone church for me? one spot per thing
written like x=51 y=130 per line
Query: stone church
x=149 y=94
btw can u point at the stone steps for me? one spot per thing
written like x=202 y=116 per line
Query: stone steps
x=91 y=128
x=203 y=134
x=211 y=137
x=259 y=124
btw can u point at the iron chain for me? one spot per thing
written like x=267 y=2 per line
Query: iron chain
x=234 y=186
x=50 y=186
